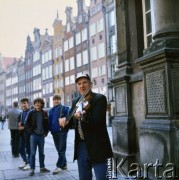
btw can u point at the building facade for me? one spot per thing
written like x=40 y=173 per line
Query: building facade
x=47 y=70
x=97 y=38
x=21 y=79
x=145 y=128
x=12 y=87
x=29 y=69
x=109 y=10
x=69 y=57
x=58 y=58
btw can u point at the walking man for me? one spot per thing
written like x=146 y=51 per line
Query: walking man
x=14 y=129
x=37 y=125
x=92 y=144
x=24 y=141
x=59 y=134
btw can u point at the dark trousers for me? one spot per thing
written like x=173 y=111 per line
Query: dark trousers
x=85 y=167
x=24 y=146
x=37 y=140
x=15 y=141
x=60 y=140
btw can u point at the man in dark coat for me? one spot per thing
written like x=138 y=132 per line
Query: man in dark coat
x=92 y=144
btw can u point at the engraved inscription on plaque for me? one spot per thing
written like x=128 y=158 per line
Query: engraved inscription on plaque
x=120 y=99
x=175 y=78
x=155 y=91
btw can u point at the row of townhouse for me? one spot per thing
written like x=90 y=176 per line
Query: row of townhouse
x=85 y=44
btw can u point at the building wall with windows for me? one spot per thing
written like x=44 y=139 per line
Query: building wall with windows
x=29 y=70
x=47 y=70
x=97 y=41
x=58 y=73
x=69 y=57
x=21 y=79
x=12 y=86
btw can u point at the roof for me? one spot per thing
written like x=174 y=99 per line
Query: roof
x=6 y=61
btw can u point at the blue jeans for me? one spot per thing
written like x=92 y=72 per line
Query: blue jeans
x=37 y=140
x=60 y=141
x=85 y=167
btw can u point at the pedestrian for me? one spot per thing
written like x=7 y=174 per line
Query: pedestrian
x=92 y=143
x=37 y=125
x=59 y=134
x=2 y=120
x=14 y=129
x=24 y=140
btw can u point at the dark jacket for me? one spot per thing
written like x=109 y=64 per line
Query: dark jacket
x=31 y=122
x=94 y=130
x=59 y=111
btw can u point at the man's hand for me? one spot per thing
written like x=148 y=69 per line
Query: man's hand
x=62 y=122
x=79 y=114
x=20 y=126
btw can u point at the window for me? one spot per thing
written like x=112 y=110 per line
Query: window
x=56 y=69
x=37 y=84
x=36 y=70
x=78 y=56
x=78 y=38
x=72 y=79
x=84 y=34
x=72 y=65
x=102 y=70
x=47 y=72
x=93 y=53
x=67 y=80
x=113 y=46
x=59 y=50
x=92 y=29
x=94 y=72
x=68 y=27
x=111 y=18
x=100 y=25
x=85 y=57
x=66 y=65
x=101 y=50
x=60 y=67
x=71 y=42
x=66 y=45
x=36 y=56
x=149 y=27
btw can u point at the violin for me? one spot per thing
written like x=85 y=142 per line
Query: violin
x=82 y=104
x=86 y=102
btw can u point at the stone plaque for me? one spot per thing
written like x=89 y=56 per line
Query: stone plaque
x=155 y=91
x=175 y=78
x=120 y=92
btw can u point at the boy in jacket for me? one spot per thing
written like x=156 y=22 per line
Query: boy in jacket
x=59 y=134
x=37 y=125
x=24 y=140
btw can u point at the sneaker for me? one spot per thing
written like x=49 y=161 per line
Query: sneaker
x=22 y=166
x=27 y=167
x=57 y=170
x=64 y=167
x=31 y=172
x=44 y=170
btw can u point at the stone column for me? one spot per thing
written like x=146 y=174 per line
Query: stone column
x=159 y=136
x=123 y=125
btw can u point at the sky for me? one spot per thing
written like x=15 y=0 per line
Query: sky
x=18 y=18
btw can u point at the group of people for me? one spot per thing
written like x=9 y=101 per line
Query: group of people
x=87 y=116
